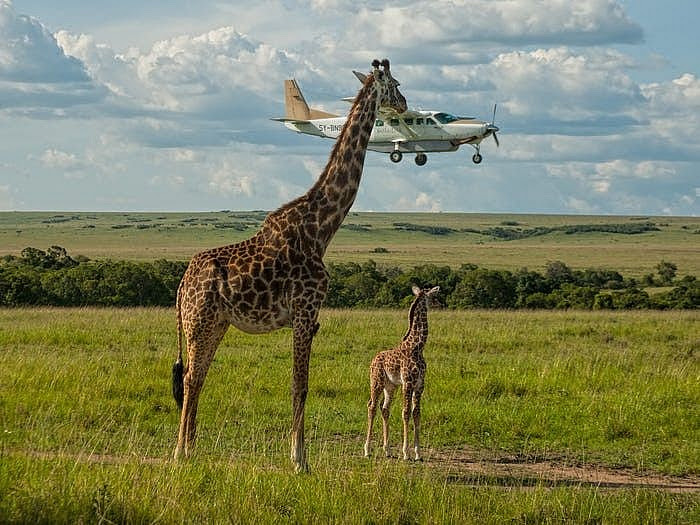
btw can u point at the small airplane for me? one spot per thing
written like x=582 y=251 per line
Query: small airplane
x=414 y=131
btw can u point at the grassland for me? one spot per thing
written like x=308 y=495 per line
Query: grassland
x=88 y=423
x=148 y=236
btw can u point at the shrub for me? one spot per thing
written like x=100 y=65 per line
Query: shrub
x=482 y=288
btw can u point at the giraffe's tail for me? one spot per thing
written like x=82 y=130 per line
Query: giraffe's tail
x=178 y=368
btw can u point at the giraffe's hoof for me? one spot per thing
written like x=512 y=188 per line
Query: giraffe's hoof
x=301 y=468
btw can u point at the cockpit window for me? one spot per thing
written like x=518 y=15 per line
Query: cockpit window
x=445 y=118
x=394 y=122
x=408 y=121
x=378 y=123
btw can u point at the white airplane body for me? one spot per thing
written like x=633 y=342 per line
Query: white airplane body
x=414 y=131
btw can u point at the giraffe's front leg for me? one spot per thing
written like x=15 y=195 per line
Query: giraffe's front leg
x=304 y=329
x=386 y=408
x=416 y=423
x=375 y=390
x=406 y=415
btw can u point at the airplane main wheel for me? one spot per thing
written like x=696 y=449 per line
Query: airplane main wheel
x=395 y=156
x=421 y=159
x=476 y=158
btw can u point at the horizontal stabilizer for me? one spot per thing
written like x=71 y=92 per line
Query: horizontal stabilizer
x=285 y=119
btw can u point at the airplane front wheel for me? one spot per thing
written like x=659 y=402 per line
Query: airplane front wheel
x=395 y=156
x=421 y=159
x=477 y=158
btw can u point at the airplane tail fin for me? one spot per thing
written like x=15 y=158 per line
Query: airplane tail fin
x=296 y=107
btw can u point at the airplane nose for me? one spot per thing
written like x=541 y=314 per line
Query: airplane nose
x=492 y=128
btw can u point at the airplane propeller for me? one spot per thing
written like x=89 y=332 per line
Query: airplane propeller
x=492 y=128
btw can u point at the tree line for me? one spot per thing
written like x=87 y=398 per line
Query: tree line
x=53 y=277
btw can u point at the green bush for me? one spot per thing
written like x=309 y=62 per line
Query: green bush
x=53 y=277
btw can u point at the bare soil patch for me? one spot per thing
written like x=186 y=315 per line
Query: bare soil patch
x=478 y=468
x=472 y=467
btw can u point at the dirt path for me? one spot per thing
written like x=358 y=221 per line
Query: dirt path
x=473 y=468
x=477 y=468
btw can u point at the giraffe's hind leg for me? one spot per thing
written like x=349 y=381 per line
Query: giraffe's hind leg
x=201 y=346
x=389 y=388
x=375 y=390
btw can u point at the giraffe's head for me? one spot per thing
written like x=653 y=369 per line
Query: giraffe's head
x=427 y=296
x=387 y=87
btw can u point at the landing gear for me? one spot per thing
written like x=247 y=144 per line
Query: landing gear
x=421 y=159
x=395 y=156
x=477 y=158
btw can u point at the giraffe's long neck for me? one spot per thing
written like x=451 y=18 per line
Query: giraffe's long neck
x=336 y=188
x=417 y=333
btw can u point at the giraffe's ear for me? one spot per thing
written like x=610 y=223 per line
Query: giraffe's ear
x=433 y=291
x=416 y=290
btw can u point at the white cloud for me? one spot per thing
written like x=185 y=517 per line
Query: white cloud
x=221 y=70
x=229 y=180
x=185 y=155
x=34 y=71
x=615 y=169
x=415 y=25
x=6 y=200
x=426 y=202
x=576 y=205
x=681 y=93
x=29 y=53
x=562 y=83
x=52 y=158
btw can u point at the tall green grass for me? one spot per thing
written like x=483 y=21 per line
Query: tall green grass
x=87 y=422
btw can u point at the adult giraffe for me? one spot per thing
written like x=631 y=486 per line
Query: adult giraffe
x=277 y=277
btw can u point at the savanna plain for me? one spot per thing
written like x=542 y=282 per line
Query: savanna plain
x=527 y=416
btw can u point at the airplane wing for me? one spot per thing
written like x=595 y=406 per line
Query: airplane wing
x=388 y=113
x=391 y=113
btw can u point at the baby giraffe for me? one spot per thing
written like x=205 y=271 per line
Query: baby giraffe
x=402 y=365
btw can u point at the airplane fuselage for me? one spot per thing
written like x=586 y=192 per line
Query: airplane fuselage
x=412 y=131
x=422 y=132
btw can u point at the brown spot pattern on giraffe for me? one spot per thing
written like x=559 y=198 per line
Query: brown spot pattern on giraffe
x=402 y=365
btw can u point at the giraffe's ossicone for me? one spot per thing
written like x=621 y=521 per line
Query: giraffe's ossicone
x=402 y=365
x=277 y=277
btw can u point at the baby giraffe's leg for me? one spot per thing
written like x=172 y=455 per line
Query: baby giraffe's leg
x=416 y=422
x=375 y=389
x=388 y=394
x=406 y=416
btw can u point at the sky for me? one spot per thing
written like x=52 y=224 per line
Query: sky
x=165 y=105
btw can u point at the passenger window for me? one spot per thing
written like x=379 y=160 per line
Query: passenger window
x=430 y=122
x=419 y=122
x=394 y=122
x=378 y=123
x=409 y=121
